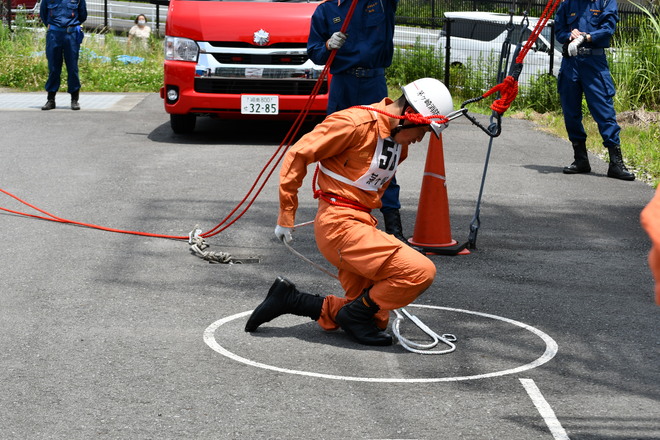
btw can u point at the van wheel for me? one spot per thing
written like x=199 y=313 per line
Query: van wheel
x=182 y=124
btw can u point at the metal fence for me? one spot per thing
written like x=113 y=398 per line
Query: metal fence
x=422 y=24
x=103 y=15
x=430 y=13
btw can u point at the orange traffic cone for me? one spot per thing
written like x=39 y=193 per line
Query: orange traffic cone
x=432 y=233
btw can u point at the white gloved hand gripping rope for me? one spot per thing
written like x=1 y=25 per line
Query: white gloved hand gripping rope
x=336 y=41
x=283 y=234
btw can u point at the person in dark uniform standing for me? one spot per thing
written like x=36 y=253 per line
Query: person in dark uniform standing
x=358 y=69
x=63 y=19
x=585 y=27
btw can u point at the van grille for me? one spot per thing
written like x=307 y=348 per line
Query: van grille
x=239 y=44
x=275 y=59
x=236 y=86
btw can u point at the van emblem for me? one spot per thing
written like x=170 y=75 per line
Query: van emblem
x=261 y=37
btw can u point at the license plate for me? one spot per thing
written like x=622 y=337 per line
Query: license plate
x=260 y=104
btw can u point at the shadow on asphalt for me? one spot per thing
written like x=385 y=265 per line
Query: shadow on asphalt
x=221 y=131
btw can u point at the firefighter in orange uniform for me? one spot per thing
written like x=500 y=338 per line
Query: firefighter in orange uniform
x=358 y=151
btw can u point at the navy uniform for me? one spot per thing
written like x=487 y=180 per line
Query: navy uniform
x=63 y=19
x=358 y=69
x=585 y=27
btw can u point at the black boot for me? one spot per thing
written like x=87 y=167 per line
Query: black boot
x=393 y=226
x=357 y=319
x=581 y=163
x=283 y=298
x=50 y=103
x=617 y=169
x=74 y=100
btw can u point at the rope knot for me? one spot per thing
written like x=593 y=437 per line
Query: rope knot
x=508 y=91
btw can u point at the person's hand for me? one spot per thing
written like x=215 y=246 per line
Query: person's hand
x=336 y=41
x=575 y=44
x=283 y=234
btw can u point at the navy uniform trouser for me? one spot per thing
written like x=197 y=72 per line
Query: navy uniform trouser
x=62 y=46
x=349 y=90
x=588 y=76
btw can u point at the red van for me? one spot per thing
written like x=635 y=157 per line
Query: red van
x=23 y=4
x=239 y=59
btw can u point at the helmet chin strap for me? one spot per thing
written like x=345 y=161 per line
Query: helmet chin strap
x=400 y=126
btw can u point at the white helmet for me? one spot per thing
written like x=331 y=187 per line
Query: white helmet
x=429 y=97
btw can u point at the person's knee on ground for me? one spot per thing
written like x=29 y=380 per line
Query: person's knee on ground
x=283 y=298
x=411 y=274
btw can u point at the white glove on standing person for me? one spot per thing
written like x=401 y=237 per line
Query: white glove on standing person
x=575 y=44
x=283 y=234
x=336 y=41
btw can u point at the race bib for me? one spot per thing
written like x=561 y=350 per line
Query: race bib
x=383 y=166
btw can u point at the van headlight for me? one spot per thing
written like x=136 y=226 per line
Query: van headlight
x=181 y=49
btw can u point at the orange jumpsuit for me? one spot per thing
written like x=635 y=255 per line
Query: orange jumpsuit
x=346 y=145
x=650 y=219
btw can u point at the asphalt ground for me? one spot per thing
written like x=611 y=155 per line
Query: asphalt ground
x=108 y=335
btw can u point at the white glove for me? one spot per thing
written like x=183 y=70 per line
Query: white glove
x=336 y=41
x=574 y=45
x=283 y=234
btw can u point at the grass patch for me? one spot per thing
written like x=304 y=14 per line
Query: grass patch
x=103 y=65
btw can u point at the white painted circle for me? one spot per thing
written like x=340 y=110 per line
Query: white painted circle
x=551 y=349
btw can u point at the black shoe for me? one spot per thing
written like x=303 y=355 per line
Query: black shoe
x=392 y=219
x=357 y=319
x=283 y=298
x=577 y=168
x=74 y=100
x=581 y=162
x=617 y=169
x=49 y=105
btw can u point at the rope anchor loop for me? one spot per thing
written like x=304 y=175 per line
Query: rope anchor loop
x=447 y=339
x=198 y=246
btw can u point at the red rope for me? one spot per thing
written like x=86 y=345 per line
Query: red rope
x=415 y=118
x=54 y=218
x=508 y=88
x=334 y=199
x=543 y=20
x=273 y=162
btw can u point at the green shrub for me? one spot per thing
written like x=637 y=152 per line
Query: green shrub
x=411 y=63
x=540 y=96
